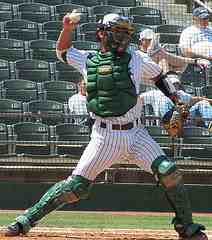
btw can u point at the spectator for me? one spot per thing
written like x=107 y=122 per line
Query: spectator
x=196 y=40
x=77 y=105
x=149 y=44
x=200 y=109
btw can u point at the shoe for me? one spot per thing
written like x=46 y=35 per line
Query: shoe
x=198 y=236
x=14 y=229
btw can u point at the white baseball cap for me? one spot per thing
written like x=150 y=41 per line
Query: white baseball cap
x=146 y=34
x=110 y=17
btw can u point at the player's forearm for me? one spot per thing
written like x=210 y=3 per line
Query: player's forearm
x=178 y=61
x=65 y=40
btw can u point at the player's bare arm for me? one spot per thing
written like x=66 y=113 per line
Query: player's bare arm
x=64 y=41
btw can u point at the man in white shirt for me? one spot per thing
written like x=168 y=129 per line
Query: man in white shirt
x=196 y=40
x=113 y=78
x=77 y=105
x=149 y=44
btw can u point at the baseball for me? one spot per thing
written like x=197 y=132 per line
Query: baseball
x=74 y=16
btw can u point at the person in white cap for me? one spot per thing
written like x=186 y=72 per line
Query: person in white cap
x=199 y=108
x=113 y=77
x=149 y=44
x=196 y=40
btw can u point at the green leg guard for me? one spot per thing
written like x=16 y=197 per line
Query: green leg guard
x=67 y=191
x=171 y=180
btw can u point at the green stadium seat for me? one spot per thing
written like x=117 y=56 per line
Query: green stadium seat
x=199 y=142
x=72 y=138
x=209 y=91
x=62 y=9
x=85 y=3
x=86 y=45
x=6 y=11
x=34 y=70
x=122 y=3
x=48 y=112
x=11 y=111
x=43 y=50
x=194 y=76
x=50 y=2
x=65 y=72
x=21 y=29
x=4 y=70
x=35 y=12
x=172 y=48
x=31 y=138
x=12 y=49
x=52 y=29
x=17 y=1
x=101 y=10
x=169 y=33
x=59 y=91
x=4 y=146
x=146 y=15
x=20 y=90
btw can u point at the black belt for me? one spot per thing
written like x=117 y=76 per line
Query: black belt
x=126 y=126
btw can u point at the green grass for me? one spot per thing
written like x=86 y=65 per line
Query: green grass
x=104 y=220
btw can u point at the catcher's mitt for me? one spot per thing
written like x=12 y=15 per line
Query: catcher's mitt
x=173 y=120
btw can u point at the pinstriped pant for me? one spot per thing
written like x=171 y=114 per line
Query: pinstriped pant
x=108 y=146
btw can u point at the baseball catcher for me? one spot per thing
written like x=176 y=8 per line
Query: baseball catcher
x=113 y=76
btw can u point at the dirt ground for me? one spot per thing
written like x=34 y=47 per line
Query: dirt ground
x=43 y=233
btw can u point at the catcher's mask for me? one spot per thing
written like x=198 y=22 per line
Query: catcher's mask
x=118 y=30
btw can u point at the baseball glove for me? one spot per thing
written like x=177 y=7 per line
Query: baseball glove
x=173 y=120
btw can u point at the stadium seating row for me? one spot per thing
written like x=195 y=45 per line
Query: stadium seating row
x=35 y=138
x=25 y=90
x=121 y=3
x=42 y=71
x=40 y=139
x=40 y=13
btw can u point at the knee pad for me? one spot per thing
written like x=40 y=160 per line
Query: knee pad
x=75 y=188
x=166 y=172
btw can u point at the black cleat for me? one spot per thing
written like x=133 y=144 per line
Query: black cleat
x=198 y=236
x=14 y=229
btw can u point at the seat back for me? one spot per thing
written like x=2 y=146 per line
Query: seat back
x=4 y=69
x=4 y=138
x=22 y=30
x=20 y=90
x=12 y=49
x=66 y=72
x=49 y=112
x=6 y=11
x=10 y=111
x=59 y=91
x=62 y=9
x=34 y=70
x=43 y=50
x=49 y=2
x=100 y=11
x=31 y=138
x=169 y=33
x=35 y=12
x=52 y=29
x=122 y=3
x=146 y=15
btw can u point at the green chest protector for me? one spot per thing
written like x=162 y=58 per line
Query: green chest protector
x=110 y=89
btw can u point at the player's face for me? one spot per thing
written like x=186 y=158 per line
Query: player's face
x=203 y=23
x=145 y=43
x=120 y=38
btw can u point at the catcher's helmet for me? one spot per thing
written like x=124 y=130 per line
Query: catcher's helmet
x=116 y=21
